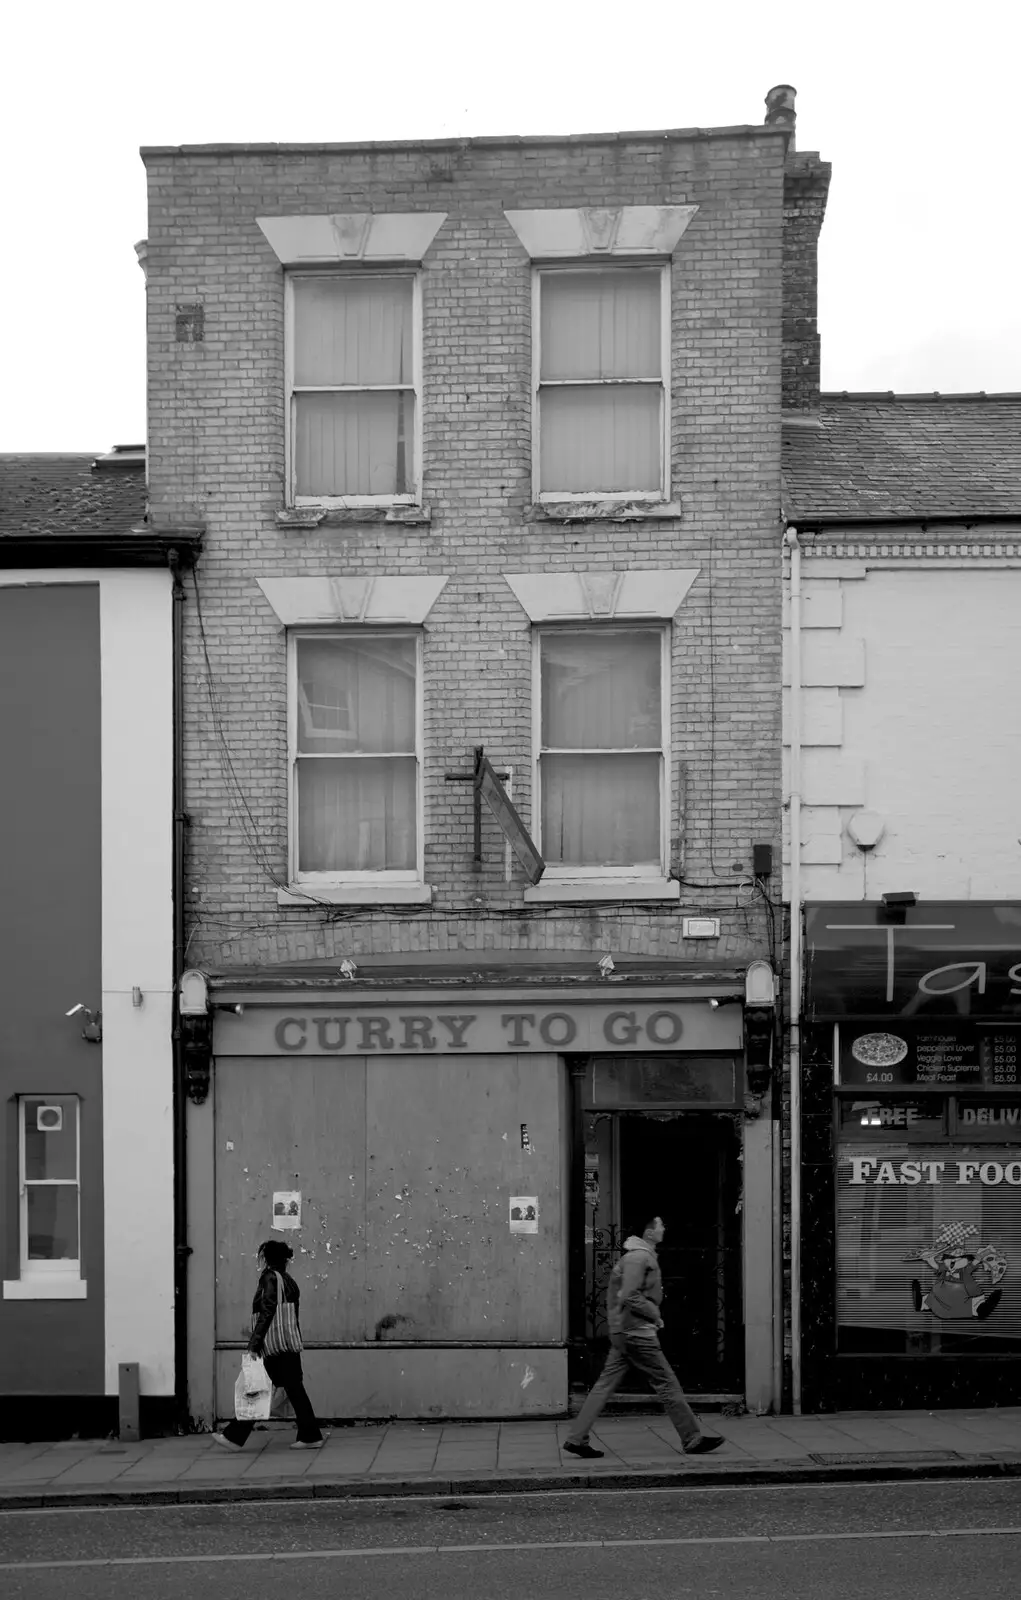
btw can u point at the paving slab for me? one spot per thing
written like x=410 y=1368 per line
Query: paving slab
x=451 y=1458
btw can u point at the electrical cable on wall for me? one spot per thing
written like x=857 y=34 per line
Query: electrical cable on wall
x=236 y=797
x=712 y=718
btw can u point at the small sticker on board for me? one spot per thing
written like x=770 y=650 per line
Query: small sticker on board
x=287 y=1208
x=524 y=1213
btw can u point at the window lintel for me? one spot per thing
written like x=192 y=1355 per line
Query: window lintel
x=583 y=231
x=582 y=596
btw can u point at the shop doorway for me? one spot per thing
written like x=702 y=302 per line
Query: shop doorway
x=684 y=1167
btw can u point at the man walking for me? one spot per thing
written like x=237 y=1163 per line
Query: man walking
x=633 y=1299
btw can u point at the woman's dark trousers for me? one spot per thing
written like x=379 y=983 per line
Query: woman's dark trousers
x=284 y=1373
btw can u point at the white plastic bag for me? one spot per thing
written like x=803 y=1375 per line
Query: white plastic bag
x=253 y=1391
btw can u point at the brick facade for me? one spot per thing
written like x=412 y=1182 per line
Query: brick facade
x=216 y=452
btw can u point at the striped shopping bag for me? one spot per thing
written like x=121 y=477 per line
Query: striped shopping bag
x=283 y=1333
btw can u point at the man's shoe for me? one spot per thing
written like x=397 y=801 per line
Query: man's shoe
x=228 y=1444
x=702 y=1446
x=586 y=1451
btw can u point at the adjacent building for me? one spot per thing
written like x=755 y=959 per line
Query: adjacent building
x=904 y=587
x=86 y=945
x=481 y=719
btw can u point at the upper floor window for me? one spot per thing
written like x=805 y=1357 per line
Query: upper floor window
x=352 y=378
x=355 y=757
x=603 y=743
x=602 y=396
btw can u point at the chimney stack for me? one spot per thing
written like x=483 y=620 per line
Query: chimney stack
x=806 y=185
x=780 y=110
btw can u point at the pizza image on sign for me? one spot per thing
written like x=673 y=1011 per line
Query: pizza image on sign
x=879 y=1049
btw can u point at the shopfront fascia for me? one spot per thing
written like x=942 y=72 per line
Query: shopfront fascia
x=912 y=1154
x=429 y=1155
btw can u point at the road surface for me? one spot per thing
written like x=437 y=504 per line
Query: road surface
x=808 y=1542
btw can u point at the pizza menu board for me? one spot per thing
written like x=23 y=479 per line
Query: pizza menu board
x=921 y=1056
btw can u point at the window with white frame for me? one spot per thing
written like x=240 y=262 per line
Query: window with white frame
x=355 y=757
x=603 y=752
x=353 y=371
x=50 y=1198
x=602 y=398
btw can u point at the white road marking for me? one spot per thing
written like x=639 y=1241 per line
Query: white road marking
x=498 y=1549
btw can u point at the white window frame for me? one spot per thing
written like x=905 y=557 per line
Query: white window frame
x=414 y=497
x=561 y=496
x=46 y=1280
x=384 y=878
x=619 y=878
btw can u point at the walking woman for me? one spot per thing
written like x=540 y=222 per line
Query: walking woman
x=276 y=1337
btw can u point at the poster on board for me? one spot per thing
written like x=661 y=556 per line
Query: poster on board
x=287 y=1208
x=524 y=1213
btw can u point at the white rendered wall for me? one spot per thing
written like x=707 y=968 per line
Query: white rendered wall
x=137 y=711
x=910 y=708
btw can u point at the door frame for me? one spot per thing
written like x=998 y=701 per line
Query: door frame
x=761 y=1178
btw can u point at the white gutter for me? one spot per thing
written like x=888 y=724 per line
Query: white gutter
x=794 y=887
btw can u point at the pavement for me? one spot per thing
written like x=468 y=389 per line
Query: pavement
x=404 y=1458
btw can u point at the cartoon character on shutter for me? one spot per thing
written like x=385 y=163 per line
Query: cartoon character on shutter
x=964 y=1281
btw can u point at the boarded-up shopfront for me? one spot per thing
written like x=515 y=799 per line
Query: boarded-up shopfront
x=456 y=1166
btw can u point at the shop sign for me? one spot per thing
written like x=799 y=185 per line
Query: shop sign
x=991 y=1116
x=942 y=959
x=912 y=1055
x=482 y=1029
x=876 y=1169
x=904 y=1117
x=928 y=1247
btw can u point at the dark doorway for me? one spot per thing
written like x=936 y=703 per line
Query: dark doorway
x=686 y=1169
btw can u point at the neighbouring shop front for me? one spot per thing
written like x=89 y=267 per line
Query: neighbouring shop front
x=911 y=1184
x=457 y=1162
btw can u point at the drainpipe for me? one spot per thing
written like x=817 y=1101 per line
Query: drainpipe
x=794 y=730
x=180 y=1098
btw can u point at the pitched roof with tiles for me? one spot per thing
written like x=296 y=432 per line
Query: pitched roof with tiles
x=65 y=495
x=890 y=458
x=67 y=510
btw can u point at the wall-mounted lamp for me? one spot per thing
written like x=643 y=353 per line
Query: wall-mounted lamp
x=196 y=1033
x=866 y=828
x=137 y=996
x=93 y=1029
x=348 y=968
x=606 y=965
x=759 y=984
x=759 y=1024
x=193 y=994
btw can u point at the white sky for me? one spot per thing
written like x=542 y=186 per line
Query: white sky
x=915 y=104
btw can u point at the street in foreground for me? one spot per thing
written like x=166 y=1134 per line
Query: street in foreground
x=834 y=1542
